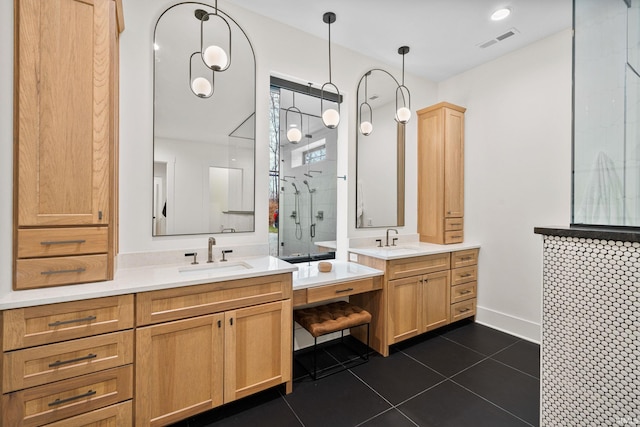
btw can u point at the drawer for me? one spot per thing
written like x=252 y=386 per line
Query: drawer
x=463 y=292
x=464 y=275
x=453 y=224
x=327 y=292
x=299 y=297
x=54 y=362
x=120 y=415
x=44 y=272
x=414 y=266
x=48 y=242
x=464 y=258
x=463 y=309
x=63 y=399
x=46 y=324
x=180 y=303
x=453 y=237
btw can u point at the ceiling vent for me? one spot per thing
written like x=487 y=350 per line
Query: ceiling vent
x=510 y=33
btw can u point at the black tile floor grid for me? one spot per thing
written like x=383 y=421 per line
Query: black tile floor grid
x=464 y=374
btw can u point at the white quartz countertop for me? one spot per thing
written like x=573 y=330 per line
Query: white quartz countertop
x=412 y=249
x=309 y=276
x=149 y=278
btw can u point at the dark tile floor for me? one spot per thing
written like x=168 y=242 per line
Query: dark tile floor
x=463 y=375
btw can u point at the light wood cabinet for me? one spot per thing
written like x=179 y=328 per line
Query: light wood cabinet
x=417 y=305
x=193 y=348
x=179 y=369
x=464 y=284
x=441 y=173
x=419 y=294
x=215 y=356
x=68 y=363
x=119 y=415
x=65 y=138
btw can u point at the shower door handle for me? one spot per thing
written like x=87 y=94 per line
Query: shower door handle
x=312 y=230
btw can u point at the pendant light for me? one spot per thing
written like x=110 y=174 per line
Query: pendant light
x=330 y=116
x=403 y=108
x=366 y=126
x=294 y=131
x=200 y=86
x=214 y=56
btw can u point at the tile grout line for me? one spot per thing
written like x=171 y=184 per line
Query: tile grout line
x=450 y=378
x=489 y=401
x=291 y=409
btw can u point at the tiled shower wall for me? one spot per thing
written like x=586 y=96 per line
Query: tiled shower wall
x=590 y=333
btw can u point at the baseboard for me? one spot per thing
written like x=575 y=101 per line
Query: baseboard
x=525 y=329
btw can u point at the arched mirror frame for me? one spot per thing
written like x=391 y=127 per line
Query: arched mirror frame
x=384 y=164
x=250 y=119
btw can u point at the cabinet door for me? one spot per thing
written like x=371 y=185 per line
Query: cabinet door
x=258 y=348
x=431 y=176
x=435 y=300
x=179 y=369
x=453 y=163
x=63 y=131
x=404 y=296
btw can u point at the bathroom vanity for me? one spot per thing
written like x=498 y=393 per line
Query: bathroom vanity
x=425 y=287
x=163 y=342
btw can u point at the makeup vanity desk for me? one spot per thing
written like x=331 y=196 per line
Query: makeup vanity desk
x=310 y=286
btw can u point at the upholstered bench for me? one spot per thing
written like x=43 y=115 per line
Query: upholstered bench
x=328 y=318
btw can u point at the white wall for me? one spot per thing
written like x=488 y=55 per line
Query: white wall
x=517 y=172
x=273 y=43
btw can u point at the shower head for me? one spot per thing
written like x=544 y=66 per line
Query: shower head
x=294 y=186
x=311 y=190
x=310 y=172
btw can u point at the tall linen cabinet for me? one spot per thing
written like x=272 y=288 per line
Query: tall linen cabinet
x=65 y=141
x=441 y=173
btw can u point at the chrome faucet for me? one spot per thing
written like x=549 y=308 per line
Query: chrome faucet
x=212 y=241
x=388 y=230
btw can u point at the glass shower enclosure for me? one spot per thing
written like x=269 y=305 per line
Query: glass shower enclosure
x=303 y=182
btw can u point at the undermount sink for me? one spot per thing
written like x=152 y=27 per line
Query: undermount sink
x=215 y=268
x=396 y=248
x=393 y=250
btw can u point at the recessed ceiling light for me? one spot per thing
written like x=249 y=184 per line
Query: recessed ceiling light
x=500 y=14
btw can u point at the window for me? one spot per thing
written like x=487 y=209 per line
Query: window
x=315 y=155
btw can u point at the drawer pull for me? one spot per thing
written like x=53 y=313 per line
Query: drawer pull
x=70 y=399
x=456 y=237
x=464 y=292
x=344 y=290
x=66 y=322
x=63 y=242
x=465 y=275
x=76 y=270
x=78 y=359
x=463 y=310
x=466 y=258
x=455 y=223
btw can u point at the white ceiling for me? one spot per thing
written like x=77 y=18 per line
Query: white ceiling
x=444 y=35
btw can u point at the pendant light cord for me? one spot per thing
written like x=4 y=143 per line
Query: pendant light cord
x=329 y=51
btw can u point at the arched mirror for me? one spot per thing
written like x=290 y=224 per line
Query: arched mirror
x=204 y=124
x=380 y=153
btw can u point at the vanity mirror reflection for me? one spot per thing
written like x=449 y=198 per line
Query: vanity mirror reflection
x=204 y=124
x=380 y=153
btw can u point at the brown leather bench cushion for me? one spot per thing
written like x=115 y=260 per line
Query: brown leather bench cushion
x=327 y=318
